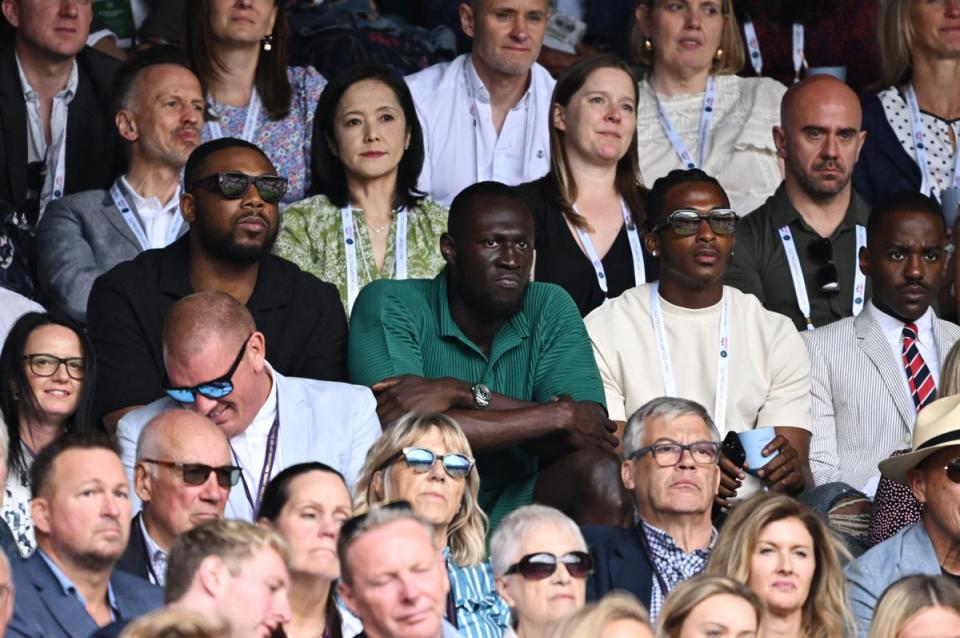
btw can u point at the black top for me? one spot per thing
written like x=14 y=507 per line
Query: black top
x=560 y=260
x=300 y=316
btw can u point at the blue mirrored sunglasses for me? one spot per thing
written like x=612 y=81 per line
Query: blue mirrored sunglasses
x=216 y=389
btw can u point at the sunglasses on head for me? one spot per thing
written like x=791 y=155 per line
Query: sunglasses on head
x=686 y=221
x=820 y=252
x=420 y=460
x=543 y=564
x=234 y=185
x=216 y=389
x=197 y=473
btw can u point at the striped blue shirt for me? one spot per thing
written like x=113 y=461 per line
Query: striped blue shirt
x=481 y=613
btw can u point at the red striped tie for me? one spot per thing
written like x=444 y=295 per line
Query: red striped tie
x=922 y=387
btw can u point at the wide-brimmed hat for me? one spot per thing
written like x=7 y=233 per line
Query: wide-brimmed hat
x=938 y=426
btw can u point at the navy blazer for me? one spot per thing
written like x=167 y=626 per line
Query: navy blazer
x=135 y=558
x=884 y=167
x=44 y=610
x=620 y=561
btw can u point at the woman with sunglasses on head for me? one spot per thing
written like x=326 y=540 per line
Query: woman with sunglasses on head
x=425 y=460
x=366 y=220
x=307 y=504
x=707 y=342
x=541 y=563
x=588 y=209
x=48 y=369
x=239 y=52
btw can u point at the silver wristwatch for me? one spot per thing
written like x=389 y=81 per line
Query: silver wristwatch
x=481 y=396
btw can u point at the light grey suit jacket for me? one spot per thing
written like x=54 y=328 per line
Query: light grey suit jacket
x=79 y=238
x=334 y=423
x=860 y=410
x=907 y=553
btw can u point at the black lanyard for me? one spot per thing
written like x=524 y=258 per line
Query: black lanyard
x=664 y=590
x=268 y=460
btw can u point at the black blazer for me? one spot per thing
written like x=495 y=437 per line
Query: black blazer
x=135 y=558
x=619 y=562
x=884 y=167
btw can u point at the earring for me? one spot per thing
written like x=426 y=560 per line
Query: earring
x=654 y=253
x=267 y=43
x=406 y=147
x=647 y=44
x=718 y=55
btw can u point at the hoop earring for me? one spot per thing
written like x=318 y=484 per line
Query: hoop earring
x=267 y=43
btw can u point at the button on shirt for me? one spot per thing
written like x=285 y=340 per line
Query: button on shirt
x=672 y=563
x=455 y=112
x=250 y=449
x=70 y=589
x=158 y=558
x=155 y=216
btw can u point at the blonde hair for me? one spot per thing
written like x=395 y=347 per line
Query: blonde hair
x=468 y=529
x=909 y=596
x=895 y=37
x=693 y=591
x=826 y=612
x=734 y=53
x=173 y=622
x=950 y=377
x=591 y=620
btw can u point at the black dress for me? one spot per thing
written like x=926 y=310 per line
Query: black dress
x=560 y=260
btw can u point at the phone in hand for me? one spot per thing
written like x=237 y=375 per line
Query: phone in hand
x=732 y=448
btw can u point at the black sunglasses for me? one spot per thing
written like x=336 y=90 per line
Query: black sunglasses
x=216 y=389
x=820 y=252
x=543 y=564
x=234 y=185
x=197 y=473
x=686 y=221
x=420 y=460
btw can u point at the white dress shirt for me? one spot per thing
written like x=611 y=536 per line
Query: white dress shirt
x=250 y=446
x=155 y=216
x=157 y=574
x=462 y=146
x=926 y=343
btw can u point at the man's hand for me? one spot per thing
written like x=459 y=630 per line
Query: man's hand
x=397 y=396
x=585 y=424
x=782 y=473
x=731 y=478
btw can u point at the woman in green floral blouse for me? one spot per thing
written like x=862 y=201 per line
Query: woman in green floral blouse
x=366 y=219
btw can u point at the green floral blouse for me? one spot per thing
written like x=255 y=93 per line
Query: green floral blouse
x=312 y=237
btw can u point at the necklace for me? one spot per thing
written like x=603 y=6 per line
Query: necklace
x=376 y=231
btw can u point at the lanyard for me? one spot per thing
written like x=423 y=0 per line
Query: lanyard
x=799 y=59
x=268 y=459
x=249 y=125
x=639 y=272
x=930 y=185
x=756 y=58
x=127 y=212
x=723 y=355
x=796 y=273
x=350 y=250
x=706 y=116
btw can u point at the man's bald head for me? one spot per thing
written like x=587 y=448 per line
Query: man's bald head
x=202 y=317
x=180 y=427
x=818 y=89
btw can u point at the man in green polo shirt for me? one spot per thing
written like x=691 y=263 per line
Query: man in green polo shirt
x=510 y=360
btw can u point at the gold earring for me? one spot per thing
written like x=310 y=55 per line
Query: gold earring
x=718 y=55
x=647 y=44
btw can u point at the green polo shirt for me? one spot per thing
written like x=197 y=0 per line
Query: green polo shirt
x=759 y=266
x=405 y=327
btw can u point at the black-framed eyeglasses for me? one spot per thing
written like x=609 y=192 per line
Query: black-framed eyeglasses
x=46 y=365
x=669 y=453
x=686 y=221
x=543 y=565
x=197 y=473
x=352 y=526
x=234 y=185
x=216 y=389
x=820 y=252
x=421 y=459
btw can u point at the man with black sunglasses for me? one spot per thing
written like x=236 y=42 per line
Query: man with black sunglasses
x=798 y=252
x=231 y=203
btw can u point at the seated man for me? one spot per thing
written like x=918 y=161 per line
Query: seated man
x=159 y=115
x=232 y=205
x=690 y=336
x=672 y=448
x=865 y=398
x=81 y=512
x=932 y=471
x=508 y=359
x=183 y=475
x=216 y=365
x=391 y=543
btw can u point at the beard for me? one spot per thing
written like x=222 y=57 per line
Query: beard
x=100 y=559
x=228 y=248
x=819 y=190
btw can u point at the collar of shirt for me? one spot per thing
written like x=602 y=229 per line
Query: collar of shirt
x=156 y=555
x=150 y=208
x=784 y=213
x=478 y=89
x=893 y=327
x=66 y=93
x=259 y=428
x=663 y=546
x=69 y=589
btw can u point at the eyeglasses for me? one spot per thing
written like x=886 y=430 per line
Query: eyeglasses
x=46 y=365
x=216 y=389
x=820 y=252
x=420 y=460
x=686 y=221
x=197 y=473
x=669 y=454
x=543 y=565
x=234 y=185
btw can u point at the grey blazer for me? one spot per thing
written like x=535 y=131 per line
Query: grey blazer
x=860 y=411
x=79 y=238
x=907 y=553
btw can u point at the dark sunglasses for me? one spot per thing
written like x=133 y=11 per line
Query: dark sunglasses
x=543 y=564
x=46 y=365
x=234 y=185
x=952 y=470
x=216 y=389
x=197 y=473
x=420 y=460
x=686 y=221
x=820 y=252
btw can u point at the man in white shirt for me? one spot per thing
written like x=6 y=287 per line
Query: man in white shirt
x=80 y=237
x=485 y=114
x=216 y=365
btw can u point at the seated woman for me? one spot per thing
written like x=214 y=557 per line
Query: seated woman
x=693 y=111
x=918 y=606
x=307 y=504
x=784 y=552
x=425 y=459
x=48 y=369
x=366 y=220
x=239 y=52
x=541 y=563
x=617 y=615
x=711 y=606
x=588 y=209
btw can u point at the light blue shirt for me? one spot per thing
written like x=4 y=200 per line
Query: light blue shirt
x=481 y=612
x=71 y=590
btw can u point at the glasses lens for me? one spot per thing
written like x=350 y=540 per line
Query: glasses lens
x=537 y=566
x=705 y=452
x=418 y=459
x=953 y=470
x=828 y=278
x=227 y=476
x=820 y=251
x=215 y=389
x=456 y=465
x=723 y=223
x=233 y=185
x=271 y=188
x=578 y=564
x=43 y=366
x=196 y=473
x=76 y=368
x=684 y=222
x=181 y=395
x=667 y=454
